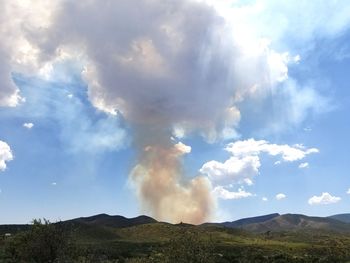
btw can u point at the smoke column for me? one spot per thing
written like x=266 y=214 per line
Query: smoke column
x=164 y=65
x=162 y=187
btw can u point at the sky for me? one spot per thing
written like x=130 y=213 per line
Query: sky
x=183 y=110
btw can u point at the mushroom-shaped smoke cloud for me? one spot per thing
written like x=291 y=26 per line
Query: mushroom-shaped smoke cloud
x=164 y=65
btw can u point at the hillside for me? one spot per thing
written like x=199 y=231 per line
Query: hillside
x=104 y=238
x=250 y=220
x=295 y=222
x=113 y=221
x=103 y=223
x=342 y=217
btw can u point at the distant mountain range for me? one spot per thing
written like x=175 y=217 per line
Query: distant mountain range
x=292 y=222
x=342 y=217
x=272 y=222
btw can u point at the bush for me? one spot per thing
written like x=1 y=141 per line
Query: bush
x=189 y=248
x=44 y=242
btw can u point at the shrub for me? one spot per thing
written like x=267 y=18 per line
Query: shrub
x=43 y=242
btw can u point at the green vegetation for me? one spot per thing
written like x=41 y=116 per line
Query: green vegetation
x=79 y=241
x=43 y=242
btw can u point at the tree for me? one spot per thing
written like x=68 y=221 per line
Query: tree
x=43 y=242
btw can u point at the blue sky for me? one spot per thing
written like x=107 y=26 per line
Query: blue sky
x=214 y=112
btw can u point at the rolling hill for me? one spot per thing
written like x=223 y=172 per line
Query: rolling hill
x=292 y=238
x=103 y=223
x=113 y=221
x=295 y=222
x=342 y=217
x=250 y=220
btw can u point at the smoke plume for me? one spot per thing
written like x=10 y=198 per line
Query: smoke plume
x=165 y=66
x=163 y=189
x=160 y=68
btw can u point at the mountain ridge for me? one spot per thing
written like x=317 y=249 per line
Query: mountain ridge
x=341 y=217
x=116 y=221
x=271 y=222
x=298 y=222
x=250 y=220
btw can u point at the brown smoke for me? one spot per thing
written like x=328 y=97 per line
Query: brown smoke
x=165 y=192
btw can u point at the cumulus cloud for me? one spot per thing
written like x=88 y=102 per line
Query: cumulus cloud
x=223 y=193
x=5 y=155
x=233 y=170
x=324 y=199
x=28 y=125
x=244 y=163
x=280 y=196
x=348 y=192
x=265 y=199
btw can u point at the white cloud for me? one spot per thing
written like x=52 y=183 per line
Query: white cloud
x=244 y=164
x=265 y=199
x=348 y=192
x=234 y=170
x=222 y=193
x=280 y=196
x=53 y=183
x=323 y=199
x=5 y=155
x=28 y=125
x=253 y=147
x=303 y=165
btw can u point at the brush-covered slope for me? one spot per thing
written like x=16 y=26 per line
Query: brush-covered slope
x=342 y=217
x=250 y=220
x=113 y=221
x=295 y=222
